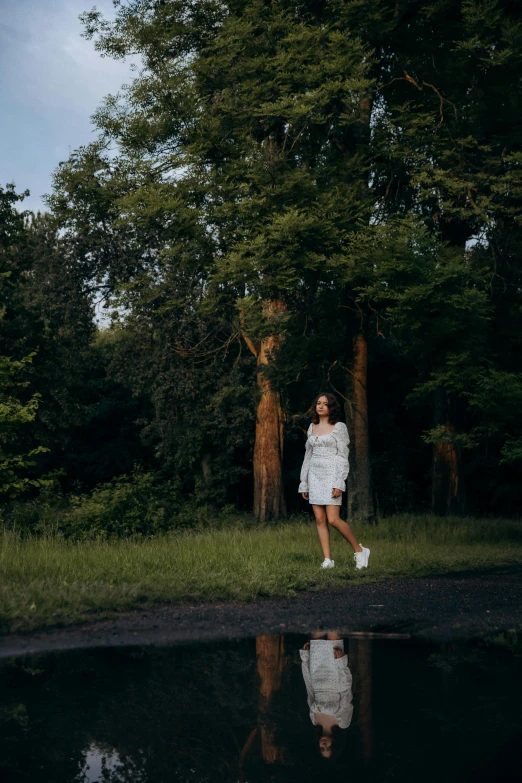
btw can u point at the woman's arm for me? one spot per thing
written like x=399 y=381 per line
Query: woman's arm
x=342 y=466
x=303 y=486
x=345 y=713
x=305 y=668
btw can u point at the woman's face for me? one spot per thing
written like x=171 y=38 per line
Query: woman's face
x=322 y=407
x=325 y=745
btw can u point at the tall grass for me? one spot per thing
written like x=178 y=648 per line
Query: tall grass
x=48 y=580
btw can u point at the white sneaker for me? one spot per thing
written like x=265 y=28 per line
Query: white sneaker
x=327 y=563
x=361 y=558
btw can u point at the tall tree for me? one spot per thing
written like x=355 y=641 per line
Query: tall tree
x=269 y=499
x=18 y=401
x=279 y=130
x=450 y=121
x=260 y=105
x=57 y=317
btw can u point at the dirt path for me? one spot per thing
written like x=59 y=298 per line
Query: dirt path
x=438 y=608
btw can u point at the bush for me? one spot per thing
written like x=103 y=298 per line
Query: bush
x=137 y=504
x=134 y=505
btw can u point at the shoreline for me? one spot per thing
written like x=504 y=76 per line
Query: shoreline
x=446 y=607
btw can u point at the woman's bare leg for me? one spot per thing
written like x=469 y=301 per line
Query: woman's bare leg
x=322 y=529
x=332 y=515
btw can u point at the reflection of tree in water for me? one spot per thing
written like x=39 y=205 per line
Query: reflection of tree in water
x=360 y=656
x=37 y=741
x=282 y=746
x=165 y=712
x=262 y=740
x=187 y=714
x=459 y=704
x=223 y=711
x=104 y=764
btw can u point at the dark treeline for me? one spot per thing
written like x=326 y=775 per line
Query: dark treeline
x=287 y=199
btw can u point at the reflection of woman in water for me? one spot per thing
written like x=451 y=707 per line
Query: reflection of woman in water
x=324 y=473
x=328 y=683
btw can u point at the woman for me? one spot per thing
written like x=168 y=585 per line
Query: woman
x=323 y=476
x=328 y=683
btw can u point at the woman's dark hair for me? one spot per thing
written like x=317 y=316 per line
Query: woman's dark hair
x=334 y=409
x=338 y=741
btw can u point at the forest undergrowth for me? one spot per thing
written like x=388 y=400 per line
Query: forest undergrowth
x=51 y=581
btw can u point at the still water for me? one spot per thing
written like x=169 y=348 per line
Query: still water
x=274 y=708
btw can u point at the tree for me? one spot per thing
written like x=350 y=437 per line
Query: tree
x=56 y=315
x=259 y=109
x=447 y=140
x=17 y=407
x=261 y=148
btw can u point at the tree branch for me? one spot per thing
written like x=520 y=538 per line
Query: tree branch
x=255 y=347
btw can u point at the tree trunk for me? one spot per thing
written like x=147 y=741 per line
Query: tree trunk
x=360 y=491
x=271 y=660
x=206 y=472
x=361 y=657
x=447 y=488
x=269 y=502
x=360 y=495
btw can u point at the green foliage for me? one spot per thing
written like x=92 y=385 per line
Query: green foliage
x=135 y=505
x=56 y=316
x=14 y=414
x=355 y=162
x=18 y=409
x=106 y=441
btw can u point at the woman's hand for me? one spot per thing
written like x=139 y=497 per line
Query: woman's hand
x=305 y=495
x=338 y=653
x=336 y=493
x=306 y=646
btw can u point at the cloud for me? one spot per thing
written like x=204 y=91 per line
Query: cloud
x=8 y=33
x=52 y=82
x=49 y=63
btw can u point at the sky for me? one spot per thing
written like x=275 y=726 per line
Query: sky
x=52 y=80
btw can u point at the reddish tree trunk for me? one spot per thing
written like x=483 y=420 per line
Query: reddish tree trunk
x=269 y=502
x=361 y=658
x=447 y=488
x=360 y=495
x=270 y=651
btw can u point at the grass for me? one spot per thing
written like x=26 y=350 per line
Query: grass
x=47 y=581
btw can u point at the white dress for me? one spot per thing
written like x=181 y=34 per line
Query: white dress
x=328 y=681
x=325 y=465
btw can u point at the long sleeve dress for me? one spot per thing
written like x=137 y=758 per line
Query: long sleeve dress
x=328 y=681
x=325 y=465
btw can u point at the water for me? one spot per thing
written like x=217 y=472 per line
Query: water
x=238 y=711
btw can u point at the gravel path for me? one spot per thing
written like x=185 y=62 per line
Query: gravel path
x=437 y=608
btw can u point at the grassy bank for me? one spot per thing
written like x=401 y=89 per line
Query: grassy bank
x=48 y=581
